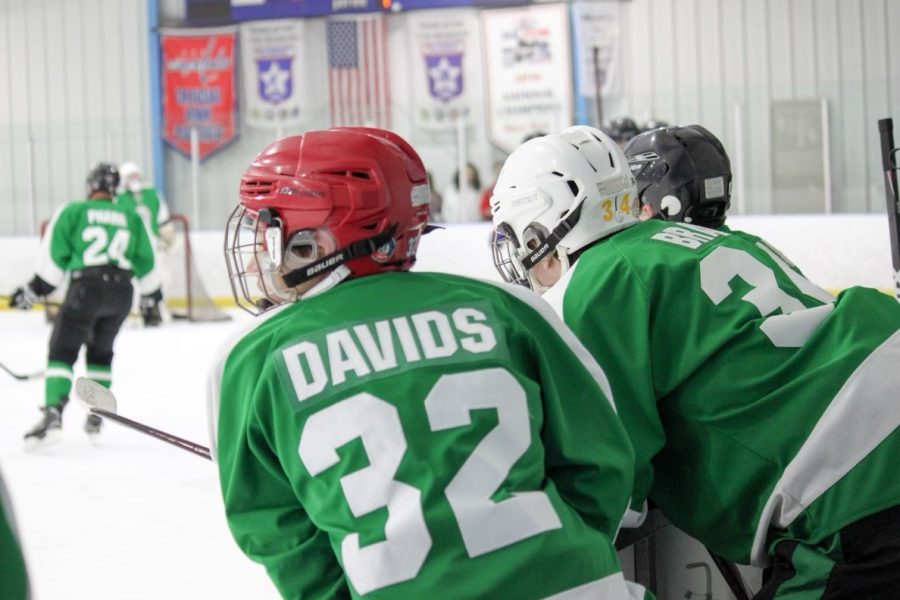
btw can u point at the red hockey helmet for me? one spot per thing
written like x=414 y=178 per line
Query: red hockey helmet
x=366 y=187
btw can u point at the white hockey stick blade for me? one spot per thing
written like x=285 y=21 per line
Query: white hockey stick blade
x=94 y=395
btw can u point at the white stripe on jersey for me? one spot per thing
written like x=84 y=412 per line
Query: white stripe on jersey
x=45 y=268
x=545 y=310
x=862 y=414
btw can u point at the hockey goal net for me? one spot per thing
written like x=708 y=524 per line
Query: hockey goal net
x=185 y=296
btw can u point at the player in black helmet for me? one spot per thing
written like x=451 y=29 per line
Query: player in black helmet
x=101 y=245
x=682 y=174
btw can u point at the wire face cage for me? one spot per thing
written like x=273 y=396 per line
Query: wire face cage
x=253 y=257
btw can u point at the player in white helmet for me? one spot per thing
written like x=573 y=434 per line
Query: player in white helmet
x=762 y=409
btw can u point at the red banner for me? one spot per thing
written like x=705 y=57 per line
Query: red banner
x=198 y=89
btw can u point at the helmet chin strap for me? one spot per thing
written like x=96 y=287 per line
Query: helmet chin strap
x=561 y=230
x=562 y=256
x=365 y=247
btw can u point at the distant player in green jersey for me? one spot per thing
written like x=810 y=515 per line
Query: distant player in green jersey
x=763 y=411
x=390 y=434
x=102 y=246
x=13 y=574
x=154 y=212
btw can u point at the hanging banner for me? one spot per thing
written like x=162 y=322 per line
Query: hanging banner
x=198 y=89
x=444 y=63
x=271 y=53
x=529 y=82
x=597 y=38
x=359 y=92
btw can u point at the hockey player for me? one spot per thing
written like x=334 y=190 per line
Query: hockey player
x=13 y=574
x=154 y=212
x=763 y=412
x=102 y=245
x=389 y=434
x=682 y=174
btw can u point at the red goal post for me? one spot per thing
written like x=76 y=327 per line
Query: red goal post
x=184 y=294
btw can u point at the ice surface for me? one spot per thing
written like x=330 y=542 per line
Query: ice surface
x=131 y=517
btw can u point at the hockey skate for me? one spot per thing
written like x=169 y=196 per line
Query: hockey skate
x=92 y=426
x=47 y=431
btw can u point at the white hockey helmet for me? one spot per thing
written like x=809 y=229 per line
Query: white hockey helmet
x=559 y=193
x=131 y=176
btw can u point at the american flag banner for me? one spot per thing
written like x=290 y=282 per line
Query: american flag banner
x=358 y=92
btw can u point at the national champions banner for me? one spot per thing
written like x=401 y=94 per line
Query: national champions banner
x=198 y=89
x=529 y=82
x=445 y=61
x=271 y=54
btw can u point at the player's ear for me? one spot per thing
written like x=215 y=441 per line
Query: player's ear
x=326 y=242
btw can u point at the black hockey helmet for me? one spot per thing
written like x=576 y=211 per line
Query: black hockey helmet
x=683 y=173
x=622 y=129
x=104 y=177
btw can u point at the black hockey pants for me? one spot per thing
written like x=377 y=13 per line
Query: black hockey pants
x=861 y=562
x=96 y=305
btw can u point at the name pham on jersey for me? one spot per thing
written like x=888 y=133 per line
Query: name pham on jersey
x=106 y=217
x=689 y=236
x=423 y=336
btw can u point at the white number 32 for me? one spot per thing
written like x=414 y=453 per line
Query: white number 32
x=485 y=525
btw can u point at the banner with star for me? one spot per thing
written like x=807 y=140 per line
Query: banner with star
x=444 y=63
x=273 y=80
x=198 y=88
x=528 y=71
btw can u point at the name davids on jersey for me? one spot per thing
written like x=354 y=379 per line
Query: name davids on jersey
x=345 y=355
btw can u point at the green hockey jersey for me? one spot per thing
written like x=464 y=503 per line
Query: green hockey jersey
x=93 y=233
x=148 y=205
x=13 y=575
x=758 y=405
x=417 y=435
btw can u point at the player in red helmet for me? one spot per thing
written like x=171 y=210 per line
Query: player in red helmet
x=389 y=434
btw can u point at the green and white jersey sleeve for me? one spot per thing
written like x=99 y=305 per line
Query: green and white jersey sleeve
x=414 y=435
x=757 y=403
x=13 y=574
x=93 y=233
x=149 y=205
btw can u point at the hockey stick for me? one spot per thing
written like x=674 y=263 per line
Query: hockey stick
x=100 y=401
x=6 y=298
x=889 y=165
x=20 y=376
